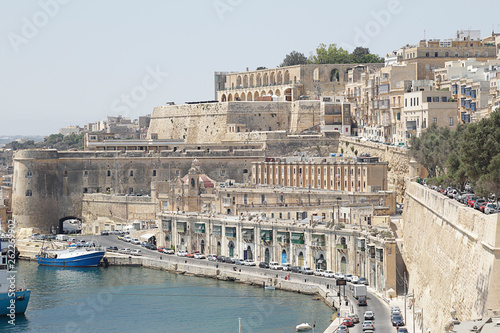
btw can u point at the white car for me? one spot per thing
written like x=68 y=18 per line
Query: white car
x=328 y=274
x=274 y=265
x=135 y=252
x=127 y=239
x=168 y=251
x=212 y=257
x=249 y=262
x=181 y=253
x=491 y=209
x=124 y=251
x=199 y=256
x=135 y=241
x=369 y=315
x=286 y=266
x=319 y=272
x=355 y=279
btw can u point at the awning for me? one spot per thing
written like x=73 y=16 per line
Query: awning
x=147 y=236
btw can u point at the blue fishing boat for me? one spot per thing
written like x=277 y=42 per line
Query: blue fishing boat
x=13 y=300
x=70 y=257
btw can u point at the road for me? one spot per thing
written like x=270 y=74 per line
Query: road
x=374 y=303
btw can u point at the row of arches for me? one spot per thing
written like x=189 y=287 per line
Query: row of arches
x=249 y=96
x=263 y=79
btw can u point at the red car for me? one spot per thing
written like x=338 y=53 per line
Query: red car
x=347 y=322
x=190 y=255
x=160 y=248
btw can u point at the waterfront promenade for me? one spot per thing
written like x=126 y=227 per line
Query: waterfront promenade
x=325 y=288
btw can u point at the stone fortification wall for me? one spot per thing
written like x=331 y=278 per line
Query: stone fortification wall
x=209 y=122
x=49 y=185
x=452 y=254
x=398 y=159
x=304 y=115
x=117 y=208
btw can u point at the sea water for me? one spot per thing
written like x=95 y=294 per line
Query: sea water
x=134 y=299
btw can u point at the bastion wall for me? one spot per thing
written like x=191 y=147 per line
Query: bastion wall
x=398 y=159
x=452 y=254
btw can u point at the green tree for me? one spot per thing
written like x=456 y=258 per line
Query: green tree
x=330 y=55
x=294 y=58
x=260 y=67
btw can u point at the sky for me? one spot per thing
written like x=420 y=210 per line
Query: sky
x=72 y=62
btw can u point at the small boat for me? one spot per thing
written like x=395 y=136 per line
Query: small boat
x=70 y=257
x=303 y=327
x=13 y=300
x=269 y=288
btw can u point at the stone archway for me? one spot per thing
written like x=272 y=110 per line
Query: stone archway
x=321 y=262
x=230 y=246
x=283 y=257
x=300 y=258
x=248 y=253
x=219 y=248
x=73 y=225
x=343 y=265
x=202 y=246
x=223 y=98
x=267 y=255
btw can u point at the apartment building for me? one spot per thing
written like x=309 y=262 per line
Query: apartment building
x=425 y=107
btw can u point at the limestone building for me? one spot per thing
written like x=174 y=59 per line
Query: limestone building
x=289 y=83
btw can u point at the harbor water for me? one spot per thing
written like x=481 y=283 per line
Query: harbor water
x=134 y=299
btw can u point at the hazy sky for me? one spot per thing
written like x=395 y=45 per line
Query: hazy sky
x=72 y=62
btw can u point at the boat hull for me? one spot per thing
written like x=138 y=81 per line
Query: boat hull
x=14 y=303
x=84 y=260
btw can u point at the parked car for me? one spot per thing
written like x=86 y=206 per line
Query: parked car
x=250 y=262
x=125 y=251
x=150 y=246
x=491 y=209
x=190 y=255
x=181 y=253
x=295 y=269
x=286 y=266
x=239 y=261
x=275 y=265
x=348 y=277
x=478 y=203
x=355 y=279
x=127 y=239
x=367 y=325
x=319 y=272
x=135 y=241
x=212 y=257
x=306 y=270
x=168 y=251
x=229 y=260
x=402 y=330
x=328 y=274
x=363 y=281
x=135 y=252
x=221 y=258
x=354 y=317
x=104 y=233
x=369 y=315
x=112 y=249
x=263 y=264
x=397 y=321
x=347 y=322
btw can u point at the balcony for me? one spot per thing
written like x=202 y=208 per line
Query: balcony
x=297 y=238
x=341 y=246
x=231 y=232
x=199 y=228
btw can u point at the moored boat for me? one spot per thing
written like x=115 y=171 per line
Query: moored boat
x=71 y=257
x=13 y=300
x=303 y=327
